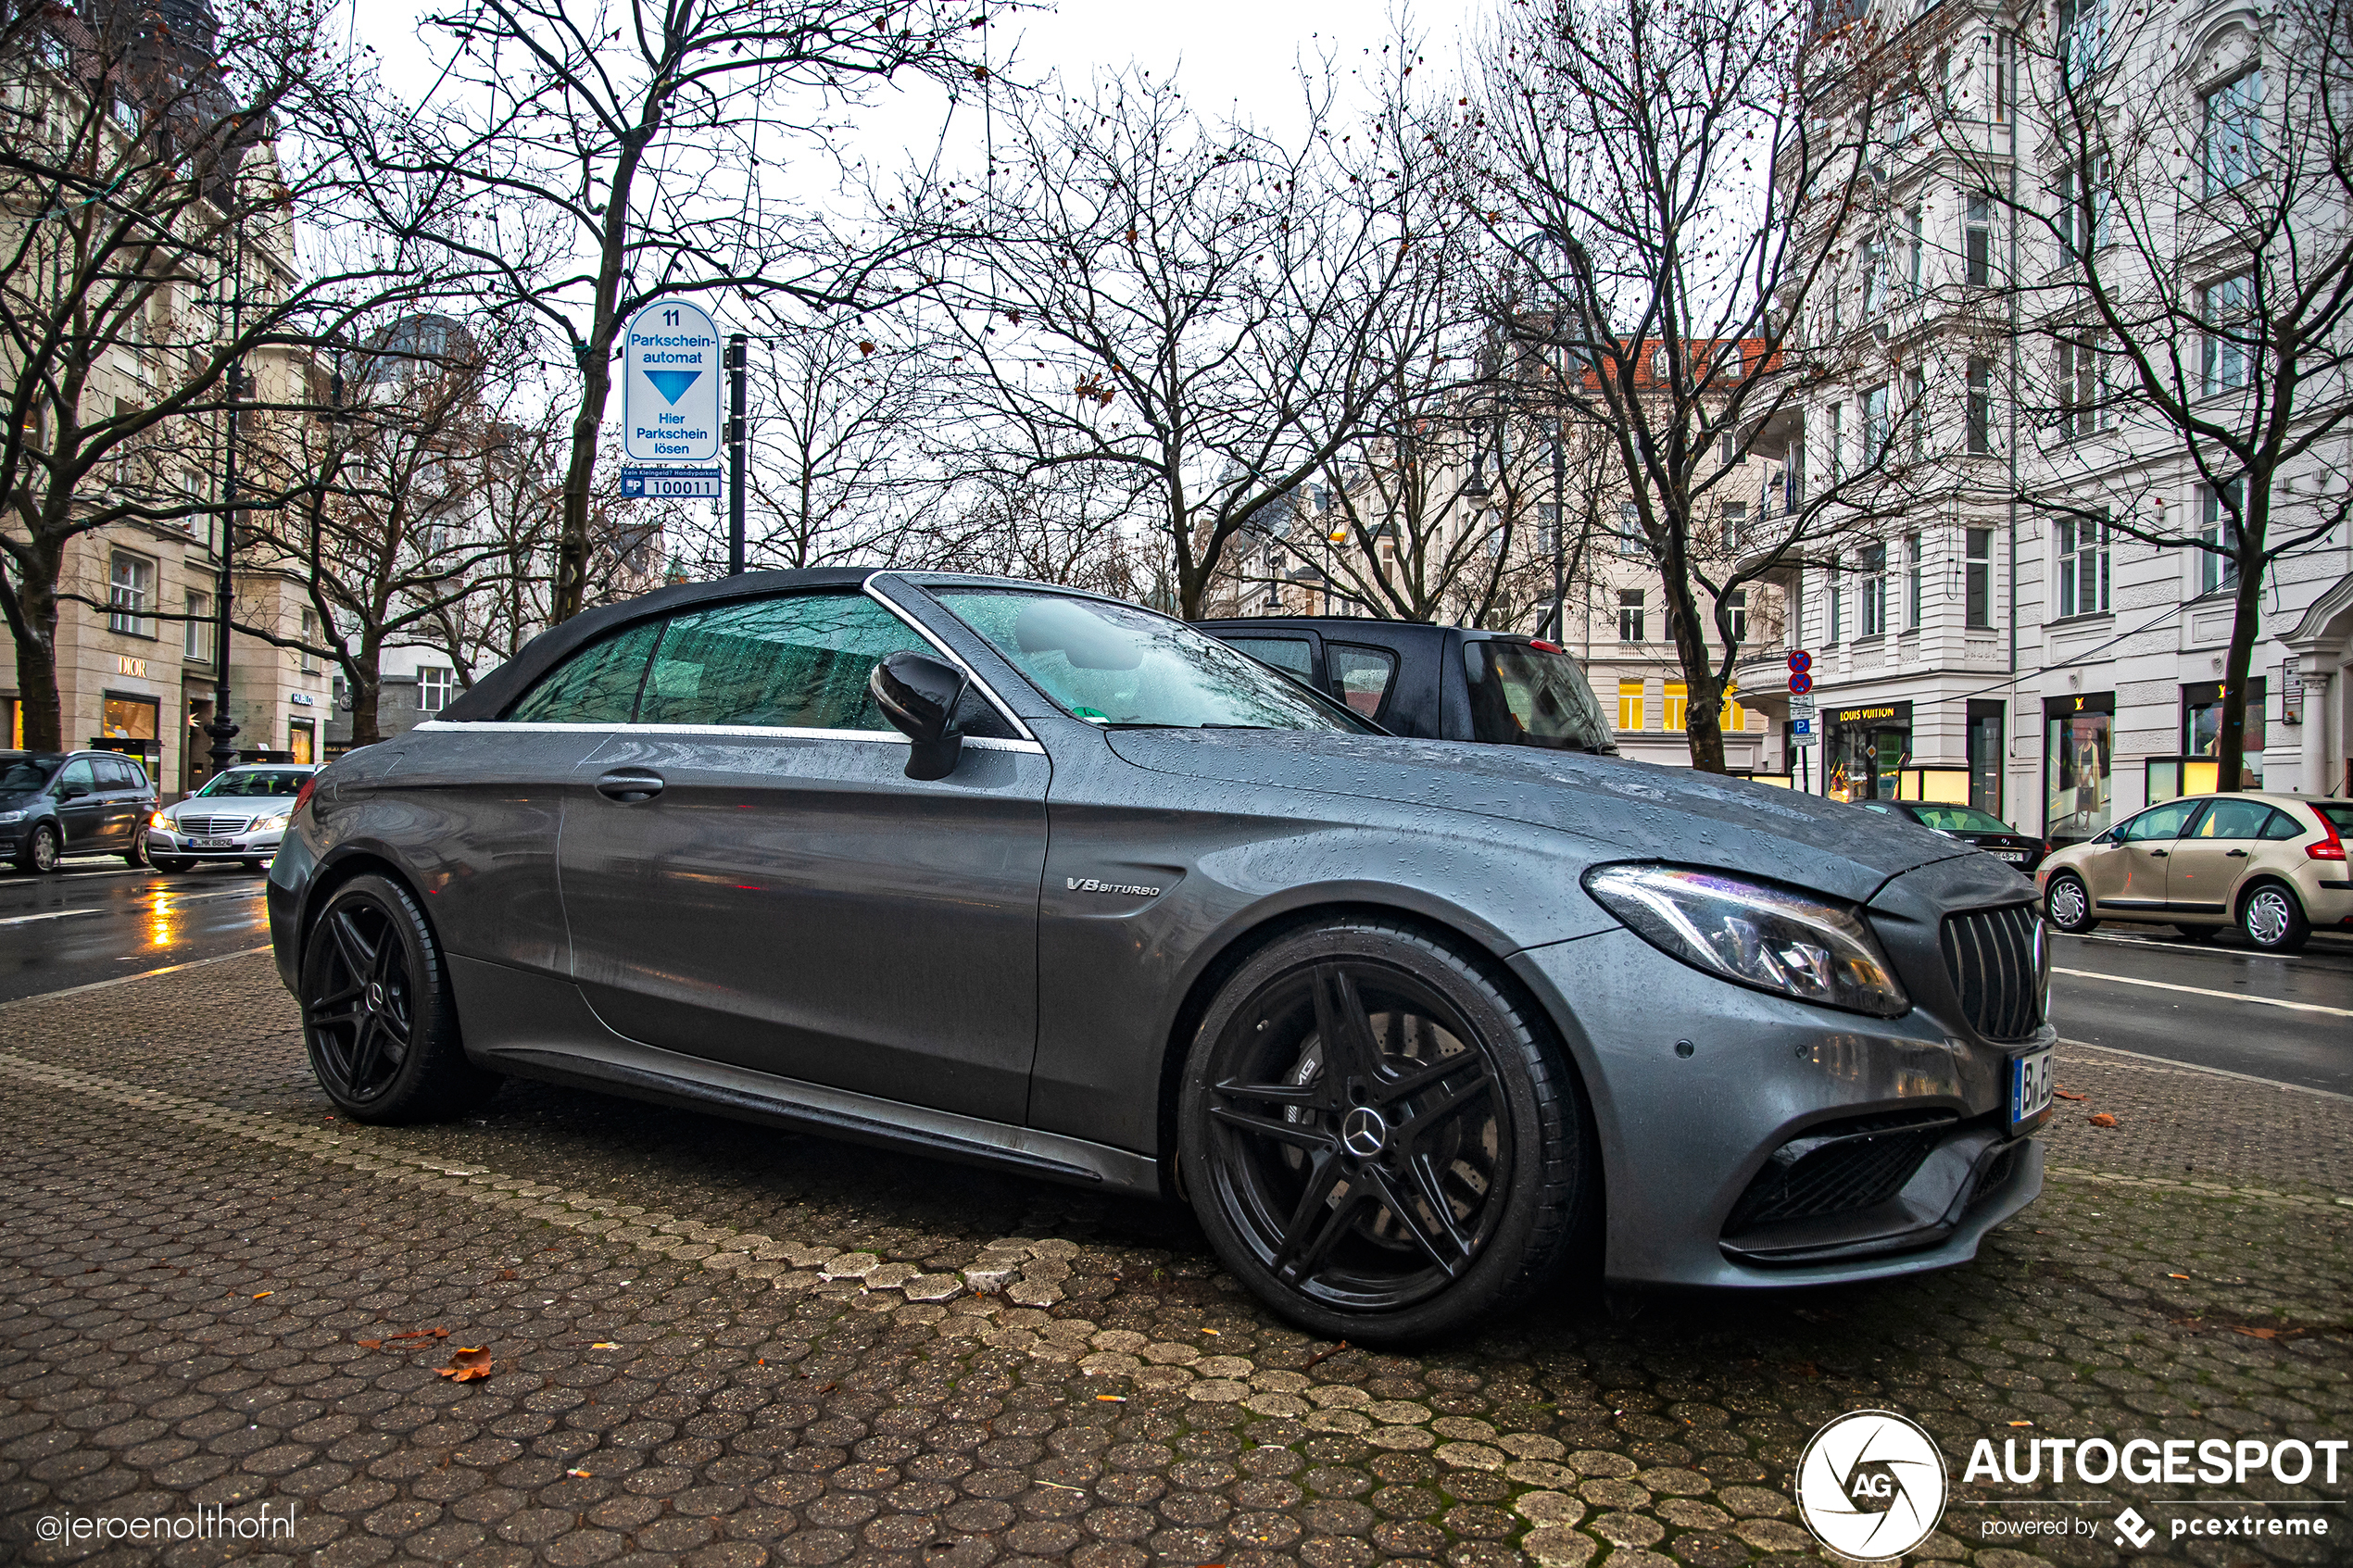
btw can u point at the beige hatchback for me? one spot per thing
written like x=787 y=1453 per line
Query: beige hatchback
x=2273 y=865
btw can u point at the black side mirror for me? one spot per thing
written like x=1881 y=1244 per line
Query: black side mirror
x=919 y=697
x=71 y=791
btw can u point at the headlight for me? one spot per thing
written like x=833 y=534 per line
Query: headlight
x=266 y=824
x=1771 y=938
x=11 y=816
x=157 y=820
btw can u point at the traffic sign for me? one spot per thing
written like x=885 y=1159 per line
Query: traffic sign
x=669 y=484
x=1801 y=732
x=670 y=384
x=1800 y=661
x=1800 y=683
x=1801 y=705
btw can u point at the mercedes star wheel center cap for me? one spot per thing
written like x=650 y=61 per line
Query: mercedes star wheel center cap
x=375 y=994
x=1363 y=1133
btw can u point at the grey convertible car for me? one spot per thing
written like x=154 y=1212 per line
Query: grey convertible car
x=1041 y=881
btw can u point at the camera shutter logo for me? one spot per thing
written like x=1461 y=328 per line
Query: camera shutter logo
x=1872 y=1485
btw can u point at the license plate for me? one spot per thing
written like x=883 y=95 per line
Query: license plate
x=212 y=844
x=2015 y=857
x=2030 y=1088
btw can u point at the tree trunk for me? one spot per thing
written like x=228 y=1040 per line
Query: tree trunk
x=365 y=671
x=1703 y=697
x=38 y=705
x=2246 y=617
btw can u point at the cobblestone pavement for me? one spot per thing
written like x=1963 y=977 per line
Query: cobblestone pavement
x=715 y=1344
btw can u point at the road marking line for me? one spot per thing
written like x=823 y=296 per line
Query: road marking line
x=2202 y=991
x=127 y=979
x=53 y=914
x=2173 y=1064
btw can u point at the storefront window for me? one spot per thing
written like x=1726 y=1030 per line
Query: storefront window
x=2202 y=725
x=298 y=737
x=1986 y=757
x=2076 y=764
x=1868 y=747
x=129 y=718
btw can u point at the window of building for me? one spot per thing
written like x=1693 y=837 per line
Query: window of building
x=2218 y=507
x=1916 y=405
x=1874 y=590
x=301 y=739
x=124 y=716
x=1874 y=277
x=1734 y=717
x=1629 y=705
x=1735 y=523
x=1678 y=705
x=1836 y=608
x=437 y=683
x=1977 y=579
x=2079 y=385
x=2231 y=144
x=1736 y=611
x=2081 y=35
x=1912 y=603
x=1629 y=528
x=311 y=664
x=1877 y=427
x=1980 y=407
x=2083 y=199
x=130 y=594
x=2202 y=726
x=2083 y=566
x=1977 y=242
x=195 y=632
x=1914 y=260
x=1629 y=615
x=1835 y=434
x=2225 y=308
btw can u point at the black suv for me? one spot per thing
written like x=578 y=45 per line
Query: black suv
x=1437 y=682
x=55 y=803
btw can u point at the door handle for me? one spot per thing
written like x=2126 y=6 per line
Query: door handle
x=629 y=785
x=2159 y=854
x=2234 y=854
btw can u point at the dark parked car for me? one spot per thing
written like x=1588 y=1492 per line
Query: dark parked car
x=57 y=803
x=1979 y=830
x=1037 y=880
x=1437 y=682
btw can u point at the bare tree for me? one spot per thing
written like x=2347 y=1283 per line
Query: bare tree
x=2185 y=286
x=1672 y=186
x=1190 y=310
x=599 y=156
x=149 y=285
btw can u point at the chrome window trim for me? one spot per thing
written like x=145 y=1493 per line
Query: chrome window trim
x=950 y=654
x=767 y=732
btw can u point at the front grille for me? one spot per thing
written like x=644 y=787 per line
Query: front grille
x=1840 y=1168
x=1999 y=962
x=214 y=827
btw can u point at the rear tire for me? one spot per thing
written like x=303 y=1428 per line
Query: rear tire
x=377 y=1013
x=2067 y=906
x=2272 y=919
x=135 y=856
x=1380 y=1141
x=42 y=852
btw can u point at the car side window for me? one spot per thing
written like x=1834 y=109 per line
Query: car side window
x=801 y=661
x=2235 y=819
x=1360 y=676
x=78 y=772
x=2280 y=825
x=1291 y=655
x=597 y=685
x=2159 y=821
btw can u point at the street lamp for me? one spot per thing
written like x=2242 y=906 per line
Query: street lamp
x=223 y=729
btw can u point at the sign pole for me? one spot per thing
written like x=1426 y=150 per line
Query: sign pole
x=738 y=354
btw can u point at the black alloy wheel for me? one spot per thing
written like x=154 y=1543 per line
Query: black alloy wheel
x=2066 y=904
x=42 y=850
x=1375 y=1138
x=377 y=1013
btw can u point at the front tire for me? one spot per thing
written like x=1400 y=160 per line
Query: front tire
x=2272 y=919
x=2067 y=905
x=42 y=852
x=134 y=854
x=377 y=1013
x=1380 y=1140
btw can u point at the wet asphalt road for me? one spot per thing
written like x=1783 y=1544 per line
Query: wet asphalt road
x=2136 y=988
x=97 y=919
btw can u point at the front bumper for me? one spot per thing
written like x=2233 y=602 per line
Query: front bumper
x=1793 y=1145
x=245 y=847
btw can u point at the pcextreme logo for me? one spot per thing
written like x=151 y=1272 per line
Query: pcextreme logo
x=1872 y=1485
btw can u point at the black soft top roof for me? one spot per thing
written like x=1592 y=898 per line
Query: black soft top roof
x=491 y=695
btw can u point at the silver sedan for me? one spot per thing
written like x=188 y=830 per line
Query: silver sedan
x=238 y=815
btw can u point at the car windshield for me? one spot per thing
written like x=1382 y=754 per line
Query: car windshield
x=1522 y=695
x=1960 y=818
x=1114 y=665
x=251 y=783
x=20 y=774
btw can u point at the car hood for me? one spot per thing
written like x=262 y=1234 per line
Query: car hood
x=1637 y=810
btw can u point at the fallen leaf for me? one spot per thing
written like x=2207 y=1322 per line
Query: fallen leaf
x=2064 y=1095
x=1208 y=1331
x=1807 y=1369
x=609 y=1345
x=2102 y=1119
x=2021 y=1423
x=506 y=1274
x=2177 y=1276
x=1113 y=1398
x=259 y=1294
x=467 y=1364
x=2258 y=1333
x=582 y=1474
x=394 y=1339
